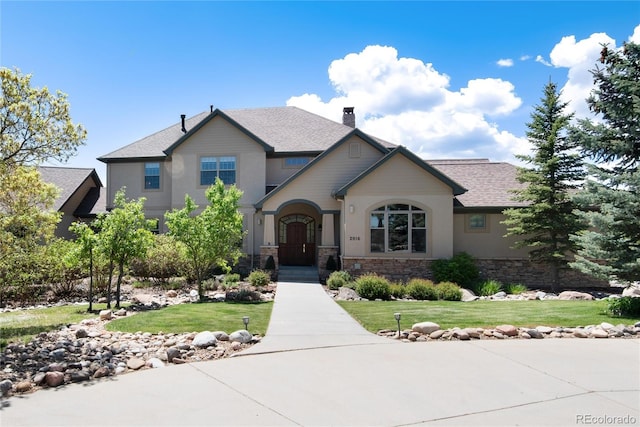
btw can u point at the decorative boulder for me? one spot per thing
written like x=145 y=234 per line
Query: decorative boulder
x=467 y=295
x=106 y=315
x=347 y=294
x=631 y=291
x=574 y=295
x=54 y=379
x=242 y=336
x=508 y=330
x=204 y=339
x=425 y=327
x=221 y=335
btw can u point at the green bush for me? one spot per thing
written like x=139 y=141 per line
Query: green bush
x=624 y=306
x=515 y=288
x=270 y=263
x=397 y=290
x=231 y=279
x=331 y=264
x=259 y=278
x=166 y=258
x=488 y=287
x=459 y=269
x=448 y=291
x=421 y=289
x=338 y=279
x=372 y=287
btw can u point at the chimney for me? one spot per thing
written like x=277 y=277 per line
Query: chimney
x=348 y=118
x=182 y=117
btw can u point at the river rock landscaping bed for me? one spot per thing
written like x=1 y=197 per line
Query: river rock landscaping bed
x=86 y=351
x=429 y=331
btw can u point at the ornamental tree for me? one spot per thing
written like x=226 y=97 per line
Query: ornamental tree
x=213 y=237
x=123 y=234
x=27 y=219
x=35 y=125
x=610 y=200
x=548 y=220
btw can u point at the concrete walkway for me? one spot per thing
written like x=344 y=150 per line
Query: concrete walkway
x=317 y=367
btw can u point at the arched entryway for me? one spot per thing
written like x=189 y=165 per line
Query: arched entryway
x=297 y=240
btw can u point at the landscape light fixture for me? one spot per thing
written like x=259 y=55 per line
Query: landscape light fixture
x=397 y=316
x=245 y=320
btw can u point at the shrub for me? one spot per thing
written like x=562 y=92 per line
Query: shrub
x=624 y=306
x=166 y=258
x=421 y=289
x=488 y=287
x=459 y=269
x=259 y=278
x=515 y=288
x=397 y=290
x=448 y=291
x=231 y=279
x=331 y=264
x=270 y=263
x=372 y=287
x=338 y=279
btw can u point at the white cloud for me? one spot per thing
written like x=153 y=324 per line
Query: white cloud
x=579 y=57
x=525 y=57
x=543 y=61
x=635 y=37
x=407 y=101
x=508 y=62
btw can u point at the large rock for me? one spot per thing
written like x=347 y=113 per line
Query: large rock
x=599 y=333
x=574 y=295
x=508 y=330
x=221 y=335
x=134 y=363
x=631 y=291
x=242 y=336
x=54 y=379
x=205 y=339
x=106 y=315
x=467 y=295
x=5 y=387
x=425 y=327
x=347 y=294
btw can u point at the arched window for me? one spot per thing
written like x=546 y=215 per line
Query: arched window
x=398 y=228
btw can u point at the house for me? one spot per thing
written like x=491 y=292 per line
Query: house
x=81 y=196
x=315 y=189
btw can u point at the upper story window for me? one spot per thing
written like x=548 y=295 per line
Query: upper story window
x=398 y=228
x=295 y=162
x=152 y=176
x=217 y=167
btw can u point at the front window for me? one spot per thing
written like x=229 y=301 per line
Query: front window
x=217 y=167
x=152 y=176
x=398 y=228
x=295 y=162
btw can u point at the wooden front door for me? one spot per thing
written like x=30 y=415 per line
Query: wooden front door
x=298 y=246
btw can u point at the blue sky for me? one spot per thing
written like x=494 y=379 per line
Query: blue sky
x=445 y=79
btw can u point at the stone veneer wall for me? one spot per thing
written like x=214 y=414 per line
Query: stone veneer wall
x=323 y=255
x=534 y=276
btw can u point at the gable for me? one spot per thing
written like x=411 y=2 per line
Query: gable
x=326 y=173
x=411 y=162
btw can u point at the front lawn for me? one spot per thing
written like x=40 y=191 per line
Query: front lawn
x=214 y=316
x=378 y=315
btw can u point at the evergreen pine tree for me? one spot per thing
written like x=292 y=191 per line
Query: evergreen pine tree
x=610 y=200
x=548 y=220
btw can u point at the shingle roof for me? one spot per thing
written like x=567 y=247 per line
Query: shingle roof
x=488 y=183
x=68 y=180
x=286 y=129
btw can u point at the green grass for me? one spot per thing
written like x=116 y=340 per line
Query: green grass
x=377 y=315
x=213 y=316
x=23 y=325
